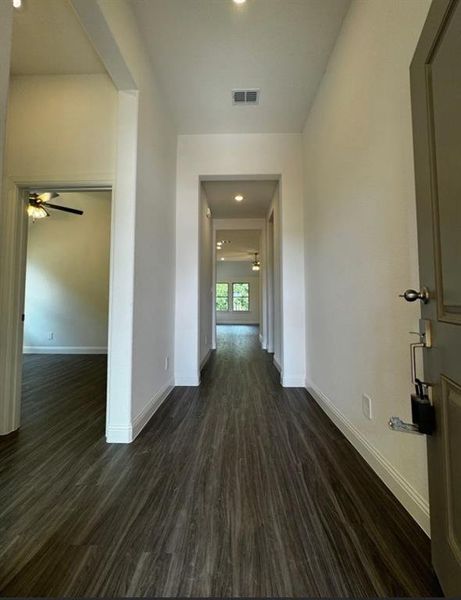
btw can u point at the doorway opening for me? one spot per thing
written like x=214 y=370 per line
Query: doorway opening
x=238 y=274
x=66 y=272
x=239 y=261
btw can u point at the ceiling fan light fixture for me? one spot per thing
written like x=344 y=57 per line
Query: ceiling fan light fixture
x=36 y=212
x=40 y=200
x=256 y=266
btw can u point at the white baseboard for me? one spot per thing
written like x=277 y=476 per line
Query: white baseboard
x=64 y=350
x=262 y=341
x=292 y=380
x=119 y=435
x=187 y=380
x=205 y=359
x=146 y=414
x=125 y=435
x=411 y=499
x=277 y=365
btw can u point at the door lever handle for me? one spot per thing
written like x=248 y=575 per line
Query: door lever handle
x=413 y=295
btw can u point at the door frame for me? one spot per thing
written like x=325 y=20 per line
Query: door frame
x=12 y=291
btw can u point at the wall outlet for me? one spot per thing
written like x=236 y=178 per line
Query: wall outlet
x=51 y=335
x=167 y=362
x=366 y=407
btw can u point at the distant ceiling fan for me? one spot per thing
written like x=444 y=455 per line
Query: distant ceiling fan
x=40 y=202
x=256 y=265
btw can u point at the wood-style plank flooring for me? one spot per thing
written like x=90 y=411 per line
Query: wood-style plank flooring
x=235 y=488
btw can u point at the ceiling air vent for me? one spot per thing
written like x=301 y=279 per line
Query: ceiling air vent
x=245 y=97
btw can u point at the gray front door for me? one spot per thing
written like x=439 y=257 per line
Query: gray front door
x=436 y=109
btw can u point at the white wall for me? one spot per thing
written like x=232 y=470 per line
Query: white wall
x=239 y=272
x=206 y=277
x=153 y=190
x=361 y=248
x=67 y=282
x=237 y=156
x=61 y=127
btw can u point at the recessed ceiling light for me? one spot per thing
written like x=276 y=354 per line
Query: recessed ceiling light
x=18 y=3
x=238 y=198
x=239 y=1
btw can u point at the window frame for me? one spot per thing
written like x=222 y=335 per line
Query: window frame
x=247 y=283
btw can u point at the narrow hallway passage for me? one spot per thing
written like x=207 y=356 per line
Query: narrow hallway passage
x=236 y=488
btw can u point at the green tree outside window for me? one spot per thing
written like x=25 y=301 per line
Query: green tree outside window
x=241 y=297
x=222 y=297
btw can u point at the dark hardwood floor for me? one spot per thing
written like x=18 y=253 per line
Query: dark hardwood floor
x=236 y=488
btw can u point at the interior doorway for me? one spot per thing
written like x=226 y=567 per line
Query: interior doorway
x=238 y=277
x=65 y=283
x=238 y=221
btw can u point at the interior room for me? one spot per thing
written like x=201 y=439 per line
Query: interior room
x=66 y=304
x=238 y=267
x=67 y=275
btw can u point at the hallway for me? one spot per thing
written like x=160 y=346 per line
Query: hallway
x=236 y=488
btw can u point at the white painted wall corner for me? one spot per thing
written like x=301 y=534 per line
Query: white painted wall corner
x=126 y=434
x=296 y=381
x=187 y=380
x=262 y=341
x=206 y=358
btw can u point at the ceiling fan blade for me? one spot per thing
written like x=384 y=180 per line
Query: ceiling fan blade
x=74 y=211
x=47 y=196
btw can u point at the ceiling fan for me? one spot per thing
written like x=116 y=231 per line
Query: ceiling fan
x=40 y=202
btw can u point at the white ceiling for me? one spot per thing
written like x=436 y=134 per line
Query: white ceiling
x=257 y=196
x=49 y=40
x=202 y=49
x=241 y=247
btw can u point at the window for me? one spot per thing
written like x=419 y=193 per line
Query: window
x=222 y=296
x=241 y=297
